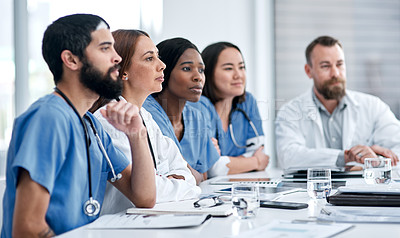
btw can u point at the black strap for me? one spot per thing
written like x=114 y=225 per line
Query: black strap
x=151 y=151
x=149 y=142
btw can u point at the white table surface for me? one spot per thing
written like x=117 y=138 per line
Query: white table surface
x=222 y=227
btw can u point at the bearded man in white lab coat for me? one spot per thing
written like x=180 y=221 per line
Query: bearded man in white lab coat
x=329 y=125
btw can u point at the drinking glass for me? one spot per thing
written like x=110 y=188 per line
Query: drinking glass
x=377 y=170
x=319 y=183
x=245 y=200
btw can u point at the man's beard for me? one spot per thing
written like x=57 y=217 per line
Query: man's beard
x=102 y=84
x=329 y=92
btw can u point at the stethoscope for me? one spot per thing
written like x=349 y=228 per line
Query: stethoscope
x=231 y=127
x=91 y=207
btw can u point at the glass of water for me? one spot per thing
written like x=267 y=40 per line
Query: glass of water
x=377 y=170
x=319 y=183
x=245 y=200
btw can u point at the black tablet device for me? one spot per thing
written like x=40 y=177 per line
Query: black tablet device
x=283 y=205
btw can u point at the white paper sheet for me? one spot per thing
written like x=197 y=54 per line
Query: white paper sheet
x=360 y=214
x=392 y=188
x=124 y=221
x=291 y=229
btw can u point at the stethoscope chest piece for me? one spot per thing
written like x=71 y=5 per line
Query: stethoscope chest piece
x=91 y=207
x=117 y=177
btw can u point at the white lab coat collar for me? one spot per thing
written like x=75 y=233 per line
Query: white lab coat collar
x=349 y=120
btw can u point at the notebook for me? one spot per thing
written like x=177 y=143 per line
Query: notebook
x=267 y=182
x=336 y=173
x=370 y=195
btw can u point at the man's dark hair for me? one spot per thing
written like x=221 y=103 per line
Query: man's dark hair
x=210 y=57
x=73 y=33
x=170 y=51
x=322 y=40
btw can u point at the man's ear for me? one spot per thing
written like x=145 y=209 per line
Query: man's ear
x=70 y=60
x=307 y=68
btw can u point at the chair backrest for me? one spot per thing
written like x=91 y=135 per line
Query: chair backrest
x=3 y=157
x=2 y=189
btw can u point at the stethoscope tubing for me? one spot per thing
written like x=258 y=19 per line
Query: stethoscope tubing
x=231 y=127
x=91 y=207
x=115 y=176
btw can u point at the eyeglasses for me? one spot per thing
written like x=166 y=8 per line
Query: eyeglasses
x=206 y=202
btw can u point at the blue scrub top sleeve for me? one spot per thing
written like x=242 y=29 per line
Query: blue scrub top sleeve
x=38 y=145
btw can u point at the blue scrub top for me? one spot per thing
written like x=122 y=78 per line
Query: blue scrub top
x=196 y=145
x=241 y=127
x=48 y=141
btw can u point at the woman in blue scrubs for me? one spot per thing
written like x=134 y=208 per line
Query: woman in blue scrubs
x=183 y=81
x=233 y=112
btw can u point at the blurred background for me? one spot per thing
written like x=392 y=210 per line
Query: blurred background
x=272 y=35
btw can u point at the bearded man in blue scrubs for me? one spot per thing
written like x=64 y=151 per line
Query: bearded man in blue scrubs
x=56 y=171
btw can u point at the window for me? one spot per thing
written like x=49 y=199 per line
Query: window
x=133 y=14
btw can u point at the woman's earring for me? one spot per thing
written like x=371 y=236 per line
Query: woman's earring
x=125 y=77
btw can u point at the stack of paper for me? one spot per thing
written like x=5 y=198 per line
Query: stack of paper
x=367 y=195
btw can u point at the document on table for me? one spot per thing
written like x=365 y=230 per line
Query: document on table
x=124 y=221
x=183 y=207
x=279 y=228
x=360 y=214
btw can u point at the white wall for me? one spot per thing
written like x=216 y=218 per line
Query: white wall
x=247 y=24
x=370 y=34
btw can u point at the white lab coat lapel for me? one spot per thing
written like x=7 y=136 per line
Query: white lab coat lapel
x=350 y=118
x=313 y=114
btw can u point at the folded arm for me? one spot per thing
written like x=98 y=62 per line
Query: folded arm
x=174 y=180
x=359 y=153
x=241 y=164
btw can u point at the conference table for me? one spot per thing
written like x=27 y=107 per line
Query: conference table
x=231 y=225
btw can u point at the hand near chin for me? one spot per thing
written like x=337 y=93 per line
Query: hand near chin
x=125 y=117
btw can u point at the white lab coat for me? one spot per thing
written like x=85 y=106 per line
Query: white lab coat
x=168 y=161
x=299 y=134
